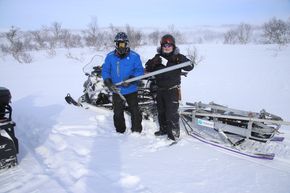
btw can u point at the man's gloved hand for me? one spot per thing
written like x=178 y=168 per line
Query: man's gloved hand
x=152 y=63
x=108 y=83
x=156 y=60
x=126 y=84
x=175 y=58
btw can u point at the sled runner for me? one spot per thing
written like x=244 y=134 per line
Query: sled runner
x=8 y=141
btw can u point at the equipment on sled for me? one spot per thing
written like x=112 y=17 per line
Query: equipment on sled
x=239 y=131
x=8 y=141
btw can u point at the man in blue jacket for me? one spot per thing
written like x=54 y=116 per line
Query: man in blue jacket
x=120 y=65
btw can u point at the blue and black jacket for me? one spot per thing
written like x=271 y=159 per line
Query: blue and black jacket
x=119 y=69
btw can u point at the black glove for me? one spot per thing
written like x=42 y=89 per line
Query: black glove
x=175 y=59
x=152 y=63
x=156 y=60
x=108 y=83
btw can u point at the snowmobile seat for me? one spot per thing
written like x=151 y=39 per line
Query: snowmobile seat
x=5 y=95
x=5 y=98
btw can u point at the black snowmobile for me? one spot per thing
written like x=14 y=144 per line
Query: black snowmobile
x=8 y=141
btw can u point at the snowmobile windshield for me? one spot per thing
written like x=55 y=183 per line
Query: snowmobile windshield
x=96 y=60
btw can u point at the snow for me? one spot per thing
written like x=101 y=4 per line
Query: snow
x=72 y=150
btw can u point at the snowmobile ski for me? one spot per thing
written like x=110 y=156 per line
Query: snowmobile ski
x=70 y=100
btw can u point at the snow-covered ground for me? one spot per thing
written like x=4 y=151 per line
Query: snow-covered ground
x=73 y=150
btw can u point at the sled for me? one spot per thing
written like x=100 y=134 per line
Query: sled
x=239 y=131
x=8 y=141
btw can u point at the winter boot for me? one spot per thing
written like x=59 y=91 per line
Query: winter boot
x=173 y=134
x=160 y=132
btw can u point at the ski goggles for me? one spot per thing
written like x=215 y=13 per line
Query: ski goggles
x=121 y=44
x=167 y=45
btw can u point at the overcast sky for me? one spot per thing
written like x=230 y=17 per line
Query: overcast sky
x=77 y=14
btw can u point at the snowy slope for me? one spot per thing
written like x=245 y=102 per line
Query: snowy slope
x=72 y=150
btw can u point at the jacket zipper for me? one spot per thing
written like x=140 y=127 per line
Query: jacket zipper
x=118 y=68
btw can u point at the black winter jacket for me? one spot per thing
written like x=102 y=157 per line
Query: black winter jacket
x=171 y=78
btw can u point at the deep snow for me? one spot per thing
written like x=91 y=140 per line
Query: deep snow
x=73 y=150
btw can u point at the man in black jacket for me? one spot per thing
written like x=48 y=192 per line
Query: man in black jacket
x=168 y=93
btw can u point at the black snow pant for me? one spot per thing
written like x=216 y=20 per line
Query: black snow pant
x=119 y=107
x=167 y=107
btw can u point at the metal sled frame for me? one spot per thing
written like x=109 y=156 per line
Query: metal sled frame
x=229 y=128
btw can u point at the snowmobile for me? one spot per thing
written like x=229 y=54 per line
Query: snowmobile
x=8 y=140
x=95 y=93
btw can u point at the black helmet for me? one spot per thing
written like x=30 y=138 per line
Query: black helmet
x=167 y=39
x=121 y=41
x=121 y=37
